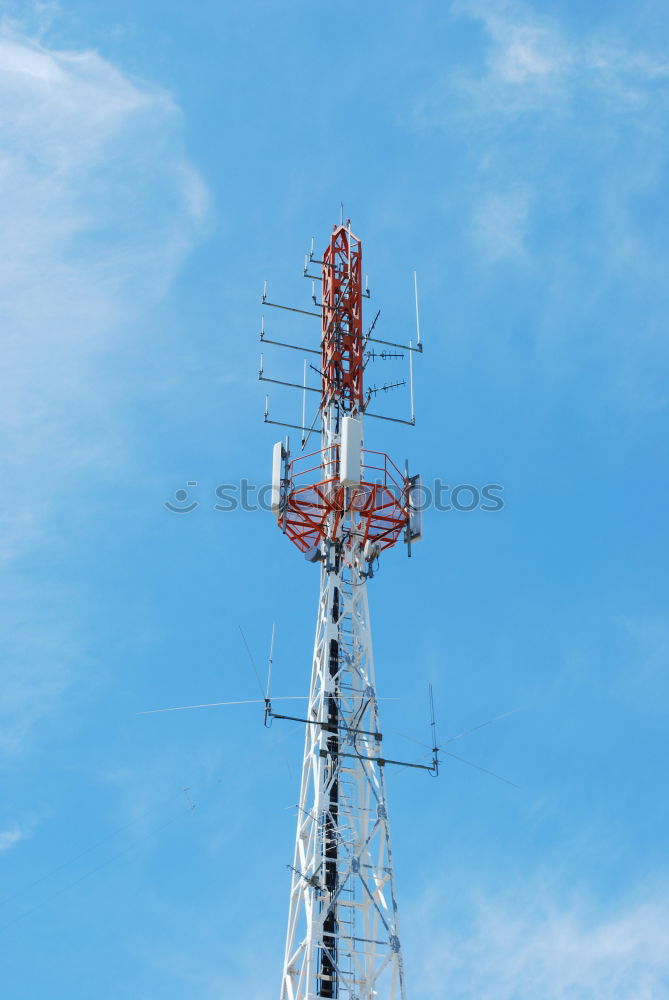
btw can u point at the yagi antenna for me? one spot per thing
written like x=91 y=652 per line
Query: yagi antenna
x=386 y=387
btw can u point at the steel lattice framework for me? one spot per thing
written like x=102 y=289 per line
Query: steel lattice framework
x=343 y=934
x=343 y=938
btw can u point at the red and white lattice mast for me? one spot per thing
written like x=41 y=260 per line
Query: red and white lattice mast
x=342 y=505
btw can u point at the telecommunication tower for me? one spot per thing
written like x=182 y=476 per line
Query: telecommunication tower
x=342 y=505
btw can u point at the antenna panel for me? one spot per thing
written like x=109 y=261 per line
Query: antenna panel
x=351 y=450
x=415 y=509
x=277 y=461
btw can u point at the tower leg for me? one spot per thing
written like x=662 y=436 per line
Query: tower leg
x=343 y=936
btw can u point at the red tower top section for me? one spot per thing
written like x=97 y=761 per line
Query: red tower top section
x=342 y=346
x=341 y=493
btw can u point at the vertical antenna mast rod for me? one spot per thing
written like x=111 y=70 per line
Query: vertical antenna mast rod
x=304 y=403
x=413 y=415
x=415 y=288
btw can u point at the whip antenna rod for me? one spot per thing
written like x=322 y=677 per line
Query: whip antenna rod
x=415 y=289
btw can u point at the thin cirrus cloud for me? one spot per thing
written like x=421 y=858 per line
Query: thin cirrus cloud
x=531 y=59
x=546 y=109
x=562 y=141
x=523 y=46
x=99 y=207
x=533 y=946
x=12 y=835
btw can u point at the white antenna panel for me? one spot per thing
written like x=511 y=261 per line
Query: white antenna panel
x=415 y=509
x=351 y=452
x=277 y=462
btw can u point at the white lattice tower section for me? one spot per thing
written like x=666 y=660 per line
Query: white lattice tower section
x=343 y=935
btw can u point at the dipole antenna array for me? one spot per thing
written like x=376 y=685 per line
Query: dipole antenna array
x=342 y=505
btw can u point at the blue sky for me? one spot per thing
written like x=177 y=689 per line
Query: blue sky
x=159 y=161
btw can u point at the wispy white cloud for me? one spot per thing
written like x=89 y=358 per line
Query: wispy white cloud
x=41 y=655
x=524 y=48
x=500 y=221
x=545 y=104
x=99 y=205
x=546 y=107
x=9 y=837
x=644 y=677
x=531 y=60
x=528 y=945
x=13 y=834
x=562 y=136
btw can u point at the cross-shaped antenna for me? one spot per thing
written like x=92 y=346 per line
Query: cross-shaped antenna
x=436 y=749
x=263 y=700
